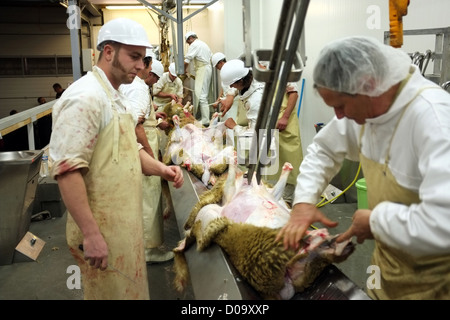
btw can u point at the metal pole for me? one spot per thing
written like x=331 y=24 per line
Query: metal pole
x=180 y=38
x=281 y=61
x=247 y=32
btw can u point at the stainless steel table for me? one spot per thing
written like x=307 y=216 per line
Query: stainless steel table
x=214 y=277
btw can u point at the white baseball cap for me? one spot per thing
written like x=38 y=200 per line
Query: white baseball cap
x=123 y=30
x=233 y=71
x=216 y=57
x=188 y=34
x=157 y=68
x=172 y=69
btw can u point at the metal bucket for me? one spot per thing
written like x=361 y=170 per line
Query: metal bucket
x=19 y=173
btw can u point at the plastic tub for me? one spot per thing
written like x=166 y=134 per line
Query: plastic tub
x=361 y=192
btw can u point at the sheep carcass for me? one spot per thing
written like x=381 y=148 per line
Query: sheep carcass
x=244 y=220
x=200 y=150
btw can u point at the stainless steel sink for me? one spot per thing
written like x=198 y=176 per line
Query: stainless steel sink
x=19 y=174
x=27 y=156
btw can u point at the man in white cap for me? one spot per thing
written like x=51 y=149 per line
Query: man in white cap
x=235 y=75
x=169 y=87
x=98 y=165
x=228 y=105
x=138 y=92
x=200 y=53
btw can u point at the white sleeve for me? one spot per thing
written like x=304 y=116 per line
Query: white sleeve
x=422 y=228
x=324 y=158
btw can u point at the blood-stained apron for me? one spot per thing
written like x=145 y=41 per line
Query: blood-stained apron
x=402 y=276
x=114 y=188
x=153 y=217
x=161 y=102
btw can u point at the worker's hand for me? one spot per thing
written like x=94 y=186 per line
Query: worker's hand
x=141 y=119
x=302 y=216
x=360 y=227
x=175 y=175
x=226 y=104
x=282 y=124
x=229 y=123
x=216 y=104
x=160 y=115
x=95 y=251
x=163 y=125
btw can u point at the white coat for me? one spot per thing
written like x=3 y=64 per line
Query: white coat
x=419 y=161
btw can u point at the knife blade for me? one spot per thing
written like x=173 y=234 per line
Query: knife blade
x=112 y=267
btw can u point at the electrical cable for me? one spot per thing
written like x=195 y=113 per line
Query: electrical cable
x=320 y=204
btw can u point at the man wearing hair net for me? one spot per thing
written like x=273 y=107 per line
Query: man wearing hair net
x=397 y=124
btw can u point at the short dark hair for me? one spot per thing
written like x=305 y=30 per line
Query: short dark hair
x=147 y=60
x=56 y=85
x=101 y=46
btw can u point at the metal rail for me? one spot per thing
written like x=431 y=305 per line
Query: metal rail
x=213 y=276
x=285 y=47
x=441 y=54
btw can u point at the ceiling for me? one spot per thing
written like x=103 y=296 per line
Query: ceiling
x=99 y=3
x=93 y=7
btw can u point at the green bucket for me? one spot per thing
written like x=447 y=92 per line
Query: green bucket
x=361 y=192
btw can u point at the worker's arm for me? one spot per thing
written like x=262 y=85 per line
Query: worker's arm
x=153 y=167
x=219 y=99
x=227 y=102
x=172 y=96
x=142 y=139
x=292 y=100
x=73 y=192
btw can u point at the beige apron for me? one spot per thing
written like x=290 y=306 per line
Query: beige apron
x=241 y=118
x=290 y=146
x=161 y=102
x=114 y=188
x=402 y=276
x=153 y=217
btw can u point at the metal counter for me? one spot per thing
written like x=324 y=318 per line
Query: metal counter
x=19 y=173
x=214 y=277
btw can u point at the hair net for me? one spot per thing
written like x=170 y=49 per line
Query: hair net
x=360 y=65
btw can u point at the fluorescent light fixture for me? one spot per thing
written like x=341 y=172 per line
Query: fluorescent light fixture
x=125 y=7
x=190 y=6
x=193 y=6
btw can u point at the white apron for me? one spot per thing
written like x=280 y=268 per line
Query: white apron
x=114 y=188
x=153 y=217
x=201 y=87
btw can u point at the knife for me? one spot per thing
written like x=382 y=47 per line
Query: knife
x=113 y=268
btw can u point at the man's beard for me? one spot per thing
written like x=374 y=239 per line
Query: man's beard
x=123 y=74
